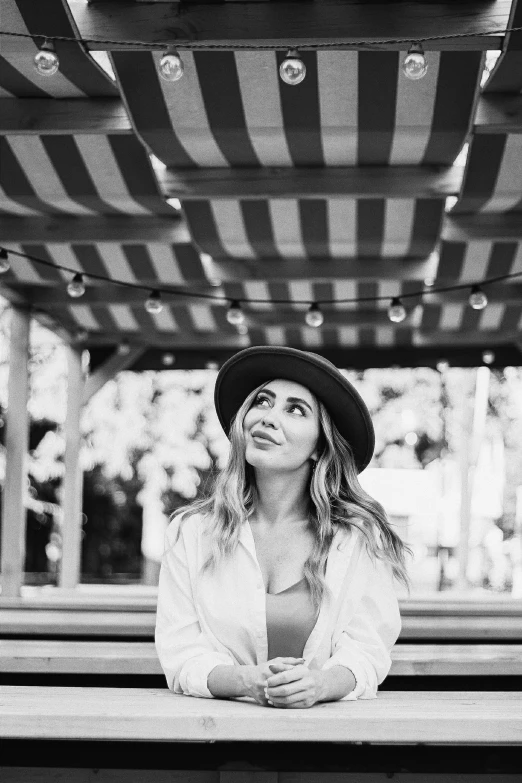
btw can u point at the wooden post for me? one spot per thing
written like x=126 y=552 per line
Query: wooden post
x=16 y=442
x=474 y=426
x=73 y=478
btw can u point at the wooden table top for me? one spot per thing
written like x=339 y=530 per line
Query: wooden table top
x=454 y=718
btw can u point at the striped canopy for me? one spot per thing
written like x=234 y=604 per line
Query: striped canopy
x=89 y=175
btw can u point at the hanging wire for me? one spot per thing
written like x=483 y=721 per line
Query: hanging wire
x=188 y=294
x=188 y=44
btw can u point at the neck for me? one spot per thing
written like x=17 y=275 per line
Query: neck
x=282 y=498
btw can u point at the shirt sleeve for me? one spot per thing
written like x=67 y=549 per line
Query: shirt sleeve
x=363 y=639
x=186 y=654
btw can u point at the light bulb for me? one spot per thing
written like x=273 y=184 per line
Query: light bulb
x=242 y=329
x=292 y=70
x=171 y=66
x=415 y=65
x=442 y=365
x=488 y=357
x=168 y=359
x=477 y=298
x=76 y=287
x=396 y=311
x=154 y=304
x=235 y=315
x=46 y=61
x=123 y=348
x=314 y=316
x=5 y=266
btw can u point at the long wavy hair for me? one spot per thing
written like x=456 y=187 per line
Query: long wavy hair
x=335 y=498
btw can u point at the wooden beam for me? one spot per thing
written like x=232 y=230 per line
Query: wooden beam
x=73 y=476
x=16 y=443
x=335 y=181
x=48 y=115
x=115 y=364
x=500 y=113
x=326 y=269
x=492 y=227
x=285 y=24
x=507 y=73
x=38 y=230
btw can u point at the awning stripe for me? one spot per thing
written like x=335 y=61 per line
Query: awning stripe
x=314 y=226
x=398 y=224
x=203 y=228
x=478 y=259
x=342 y=227
x=491 y=316
x=286 y=221
x=117 y=260
x=259 y=84
x=164 y=321
x=218 y=77
x=258 y=226
x=510 y=319
x=507 y=193
x=377 y=101
x=484 y=161
x=427 y=222
x=83 y=316
x=49 y=273
x=138 y=259
x=24 y=271
x=231 y=226
x=301 y=118
x=123 y=317
x=370 y=226
x=338 y=103
x=186 y=257
x=91 y=260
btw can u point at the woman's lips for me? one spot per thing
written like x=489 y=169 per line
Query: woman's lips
x=263 y=439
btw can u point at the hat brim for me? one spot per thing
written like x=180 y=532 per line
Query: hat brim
x=250 y=368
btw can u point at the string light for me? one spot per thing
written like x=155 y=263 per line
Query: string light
x=488 y=357
x=314 y=316
x=5 y=266
x=46 y=61
x=396 y=311
x=292 y=70
x=235 y=314
x=168 y=359
x=76 y=287
x=415 y=65
x=154 y=304
x=171 y=66
x=477 y=298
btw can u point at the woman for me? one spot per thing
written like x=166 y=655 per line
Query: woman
x=279 y=586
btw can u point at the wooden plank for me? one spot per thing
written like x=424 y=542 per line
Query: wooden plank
x=327 y=269
x=140 y=658
x=330 y=182
x=105 y=372
x=166 y=230
x=453 y=718
x=73 y=476
x=135 y=624
x=98 y=775
x=493 y=227
x=498 y=114
x=16 y=443
x=278 y=25
x=49 y=116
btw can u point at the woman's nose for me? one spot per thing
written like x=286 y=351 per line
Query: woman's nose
x=268 y=420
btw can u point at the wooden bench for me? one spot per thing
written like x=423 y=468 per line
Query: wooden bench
x=28 y=712
x=33 y=656
x=112 y=617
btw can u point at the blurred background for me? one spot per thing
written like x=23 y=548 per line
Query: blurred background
x=447 y=466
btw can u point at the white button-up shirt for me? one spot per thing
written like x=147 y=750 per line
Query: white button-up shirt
x=220 y=618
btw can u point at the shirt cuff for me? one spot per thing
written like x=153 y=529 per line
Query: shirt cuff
x=194 y=673
x=340 y=658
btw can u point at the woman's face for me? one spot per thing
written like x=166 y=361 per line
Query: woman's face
x=281 y=428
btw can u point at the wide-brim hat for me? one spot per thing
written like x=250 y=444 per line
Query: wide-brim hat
x=250 y=368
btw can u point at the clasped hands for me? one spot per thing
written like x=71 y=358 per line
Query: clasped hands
x=294 y=685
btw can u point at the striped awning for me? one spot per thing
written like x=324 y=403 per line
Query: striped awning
x=353 y=108
x=315 y=228
x=81 y=174
x=79 y=76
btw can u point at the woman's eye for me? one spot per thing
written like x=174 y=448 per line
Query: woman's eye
x=297 y=408
x=259 y=400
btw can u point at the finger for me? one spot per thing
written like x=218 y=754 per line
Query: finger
x=292 y=699
x=290 y=675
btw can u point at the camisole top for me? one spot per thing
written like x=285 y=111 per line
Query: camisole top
x=290 y=619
